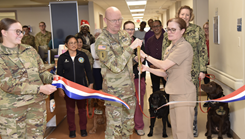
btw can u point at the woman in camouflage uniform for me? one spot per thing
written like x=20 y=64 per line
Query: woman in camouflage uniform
x=195 y=36
x=22 y=93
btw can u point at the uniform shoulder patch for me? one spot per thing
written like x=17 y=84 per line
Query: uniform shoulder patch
x=101 y=47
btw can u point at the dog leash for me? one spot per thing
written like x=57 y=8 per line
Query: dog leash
x=88 y=112
x=140 y=105
x=199 y=90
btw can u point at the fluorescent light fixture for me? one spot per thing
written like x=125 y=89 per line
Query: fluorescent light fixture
x=137 y=17
x=137 y=14
x=137 y=10
x=130 y=3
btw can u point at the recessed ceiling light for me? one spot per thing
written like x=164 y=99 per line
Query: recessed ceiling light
x=137 y=14
x=137 y=17
x=137 y=10
x=130 y=3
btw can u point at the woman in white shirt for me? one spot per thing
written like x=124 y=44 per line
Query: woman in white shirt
x=96 y=66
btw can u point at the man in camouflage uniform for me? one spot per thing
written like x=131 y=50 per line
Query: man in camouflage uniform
x=28 y=38
x=22 y=105
x=195 y=36
x=43 y=37
x=116 y=57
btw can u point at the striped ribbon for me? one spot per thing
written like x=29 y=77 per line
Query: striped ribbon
x=77 y=91
x=237 y=95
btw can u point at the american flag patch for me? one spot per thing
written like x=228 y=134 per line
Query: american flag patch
x=101 y=47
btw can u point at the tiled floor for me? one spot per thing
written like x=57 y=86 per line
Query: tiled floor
x=61 y=132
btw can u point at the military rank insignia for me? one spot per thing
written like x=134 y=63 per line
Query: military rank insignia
x=101 y=47
x=81 y=59
x=102 y=55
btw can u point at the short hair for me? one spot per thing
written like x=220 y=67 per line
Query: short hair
x=6 y=23
x=43 y=23
x=69 y=37
x=127 y=22
x=80 y=38
x=25 y=26
x=181 y=22
x=188 y=8
x=143 y=22
x=158 y=22
x=205 y=24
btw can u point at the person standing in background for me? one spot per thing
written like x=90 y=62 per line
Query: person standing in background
x=138 y=116
x=194 y=34
x=74 y=66
x=96 y=66
x=80 y=48
x=154 y=48
x=141 y=32
x=115 y=52
x=43 y=37
x=28 y=38
x=149 y=33
x=84 y=33
x=22 y=91
x=206 y=30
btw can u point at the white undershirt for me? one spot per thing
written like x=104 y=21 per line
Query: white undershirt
x=72 y=57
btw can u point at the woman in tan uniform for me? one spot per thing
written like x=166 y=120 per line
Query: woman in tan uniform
x=176 y=67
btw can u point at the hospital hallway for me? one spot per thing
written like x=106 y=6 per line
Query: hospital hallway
x=61 y=131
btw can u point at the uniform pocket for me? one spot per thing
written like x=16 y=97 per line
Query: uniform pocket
x=7 y=126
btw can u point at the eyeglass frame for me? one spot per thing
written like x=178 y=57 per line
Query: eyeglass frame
x=115 y=20
x=172 y=30
x=17 y=31
x=71 y=43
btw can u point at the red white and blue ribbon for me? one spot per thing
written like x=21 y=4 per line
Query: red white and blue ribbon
x=77 y=91
x=237 y=95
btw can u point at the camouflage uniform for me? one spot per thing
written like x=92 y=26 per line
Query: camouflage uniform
x=117 y=71
x=42 y=39
x=22 y=106
x=91 y=60
x=196 y=37
x=30 y=40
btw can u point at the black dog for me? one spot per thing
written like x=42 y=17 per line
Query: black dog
x=218 y=115
x=156 y=100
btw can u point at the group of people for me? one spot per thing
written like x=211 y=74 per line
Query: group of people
x=178 y=56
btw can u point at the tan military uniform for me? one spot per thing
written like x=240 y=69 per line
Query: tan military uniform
x=194 y=34
x=42 y=39
x=30 y=40
x=117 y=71
x=22 y=106
x=181 y=88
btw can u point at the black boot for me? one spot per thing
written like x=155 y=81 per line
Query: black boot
x=72 y=134
x=84 y=133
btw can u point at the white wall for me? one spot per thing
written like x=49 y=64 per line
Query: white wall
x=172 y=11
x=187 y=2
x=34 y=15
x=228 y=57
x=97 y=12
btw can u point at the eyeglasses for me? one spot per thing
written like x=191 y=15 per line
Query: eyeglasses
x=72 y=43
x=156 y=26
x=172 y=30
x=205 y=28
x=116 y=20
x=129 y=29
x=18 y=32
